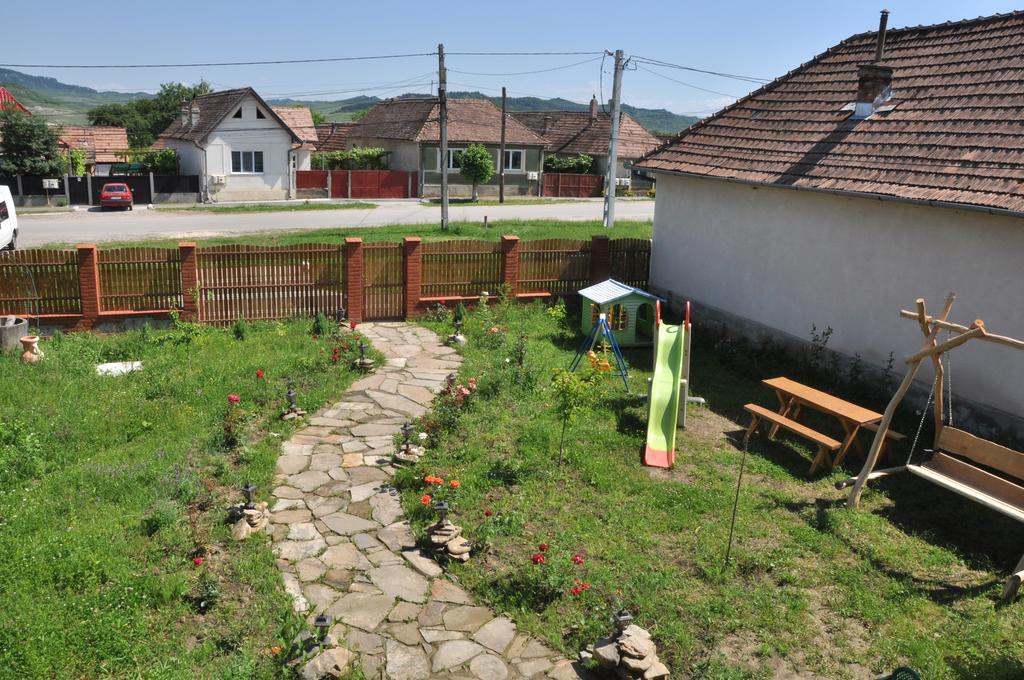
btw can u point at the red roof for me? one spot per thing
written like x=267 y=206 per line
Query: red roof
x=332 y=136
x=575 y=132
x=469 y=121
x=100 y=144
x=7 y=100
x=951 y=132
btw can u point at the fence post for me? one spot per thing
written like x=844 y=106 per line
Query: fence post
x=348 y=176
x=152 y=189
x=88 y=186
x=189 y=281
x=354 y=278
x=510 y=262
x=67 y=190
x=413 y=246
x=600 y=259
x=20 y=190
x=88 y=284
x=329 y=173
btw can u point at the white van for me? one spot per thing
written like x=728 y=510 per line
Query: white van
x=8 y=220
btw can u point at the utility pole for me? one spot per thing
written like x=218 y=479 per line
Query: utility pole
x=501 y=153
x=442 y=98
x=613 y=143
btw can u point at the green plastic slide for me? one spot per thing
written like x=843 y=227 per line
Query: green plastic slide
x=663 y=405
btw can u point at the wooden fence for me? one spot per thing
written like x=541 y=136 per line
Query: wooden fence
x=372 y=281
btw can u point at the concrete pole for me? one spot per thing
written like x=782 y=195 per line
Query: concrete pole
x=442 y=98
x=501 y=153
x=613 y=143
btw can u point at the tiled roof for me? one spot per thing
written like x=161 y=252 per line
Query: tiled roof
x=955 y=134
x=7 y=99
x=332 y=136
x=574 y=132
x=213 y=108
x=300 y=120
x=469 y=121
x=100 y=144
x=612 y=290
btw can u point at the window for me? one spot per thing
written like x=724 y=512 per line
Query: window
x=453 y=159
x=617 y=316
x=238 y=114
x=4 y=211
x=514 y=160
x=247 y=161
x=259 y=114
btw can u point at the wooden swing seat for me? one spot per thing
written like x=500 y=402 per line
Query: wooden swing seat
x=964 y=477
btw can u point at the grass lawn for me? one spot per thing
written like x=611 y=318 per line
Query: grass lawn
x=276 y=207
x=815 y=589
x=525 y=229
x=111 y=486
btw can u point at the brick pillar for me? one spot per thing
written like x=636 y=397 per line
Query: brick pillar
x=354 y=278
x=189 y=281
x=413 y=249
x=600 y=259
x=89 y=284
x=510 y=262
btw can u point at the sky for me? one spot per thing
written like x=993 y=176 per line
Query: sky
x=760 y=40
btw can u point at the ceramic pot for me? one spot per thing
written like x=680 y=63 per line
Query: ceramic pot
x=32 y=353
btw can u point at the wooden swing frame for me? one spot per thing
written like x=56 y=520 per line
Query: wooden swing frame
x=965 y=478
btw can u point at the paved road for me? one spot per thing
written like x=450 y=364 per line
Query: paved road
x=93 y=227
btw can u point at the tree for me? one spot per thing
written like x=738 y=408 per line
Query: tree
x=146 y=118
x=318 y=117
x=30 y=146
x=477 y=165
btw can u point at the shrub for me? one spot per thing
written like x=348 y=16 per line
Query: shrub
x=240 y=329
x=321 y=326
x=579 y=164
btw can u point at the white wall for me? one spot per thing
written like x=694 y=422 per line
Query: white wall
x=190 y=157
x=789 y=259
x=249 y=133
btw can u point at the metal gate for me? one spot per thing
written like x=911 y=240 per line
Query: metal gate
x=383 y=281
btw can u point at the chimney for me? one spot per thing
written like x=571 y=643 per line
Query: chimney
x=593 y=107
x=184 y=112
x=874 y=80
x=194 y=115
x=547 y=124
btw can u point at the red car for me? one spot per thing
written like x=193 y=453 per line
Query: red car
x=115 y=196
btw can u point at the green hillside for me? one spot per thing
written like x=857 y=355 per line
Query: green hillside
x=59 y=101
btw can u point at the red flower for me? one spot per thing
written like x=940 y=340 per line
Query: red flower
x=537 y=558
x=577 y=559
x=425 y=499
x=455 y=484
x=198 y=561
x=585 y=586
x=488 y=512
x=543 y=547
x=352 y=325
x=576 y=590
x=234 y=398
x=259 y=372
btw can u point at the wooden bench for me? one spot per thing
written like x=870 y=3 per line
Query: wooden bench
x=826 y=444
x=890 y=438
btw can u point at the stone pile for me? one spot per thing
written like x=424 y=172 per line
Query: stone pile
x=447 y=537
x=408 y=455
x=253 y=519
x=292 y=414
x=631 y=655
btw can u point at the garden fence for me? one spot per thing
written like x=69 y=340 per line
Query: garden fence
x=363 y=281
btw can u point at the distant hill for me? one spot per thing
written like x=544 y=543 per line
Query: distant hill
x=59 y=101
x=65 y=103
x=655 y=120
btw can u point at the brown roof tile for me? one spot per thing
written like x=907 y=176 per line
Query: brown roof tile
x=955 y=134
x=469 y=120
x=213 y=108
x=332 y=136
x=300 y=120
x=574 y=132
x=100 y=144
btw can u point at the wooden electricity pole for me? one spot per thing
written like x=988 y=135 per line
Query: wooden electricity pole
x=613 y=143
x=501 y=152
x=442 y=98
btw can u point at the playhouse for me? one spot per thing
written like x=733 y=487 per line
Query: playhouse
x=629 y=310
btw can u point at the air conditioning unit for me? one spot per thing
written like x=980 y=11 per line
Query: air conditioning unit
x=622 y=181
x=218 y=179
x=532 y=176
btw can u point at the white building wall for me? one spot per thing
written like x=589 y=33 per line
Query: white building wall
x=788 y=259
x=190 y=157
x=249 y=133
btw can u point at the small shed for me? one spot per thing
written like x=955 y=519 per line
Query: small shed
x=629 y=310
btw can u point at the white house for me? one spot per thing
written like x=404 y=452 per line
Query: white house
x=888 y=168
x=241 y=148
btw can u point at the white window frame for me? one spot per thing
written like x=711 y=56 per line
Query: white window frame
x=451 y=157
x=241 y=162
x=522 y=159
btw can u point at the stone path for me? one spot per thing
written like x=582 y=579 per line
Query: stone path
x=344 y=549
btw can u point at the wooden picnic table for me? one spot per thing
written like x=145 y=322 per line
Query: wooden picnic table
x=793 y=396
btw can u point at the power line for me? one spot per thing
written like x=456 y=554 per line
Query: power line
x=657 y=62
x=521 y=54
x=526 y=73
x=696 y=87
x=228 y=63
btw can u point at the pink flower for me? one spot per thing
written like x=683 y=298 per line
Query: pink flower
x=577 y=559
x=198 y=561
x=234 y=398
x=464 y=391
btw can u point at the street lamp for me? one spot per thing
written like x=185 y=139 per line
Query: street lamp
x=292 y=396
x=406 y=434
x=322 y=623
